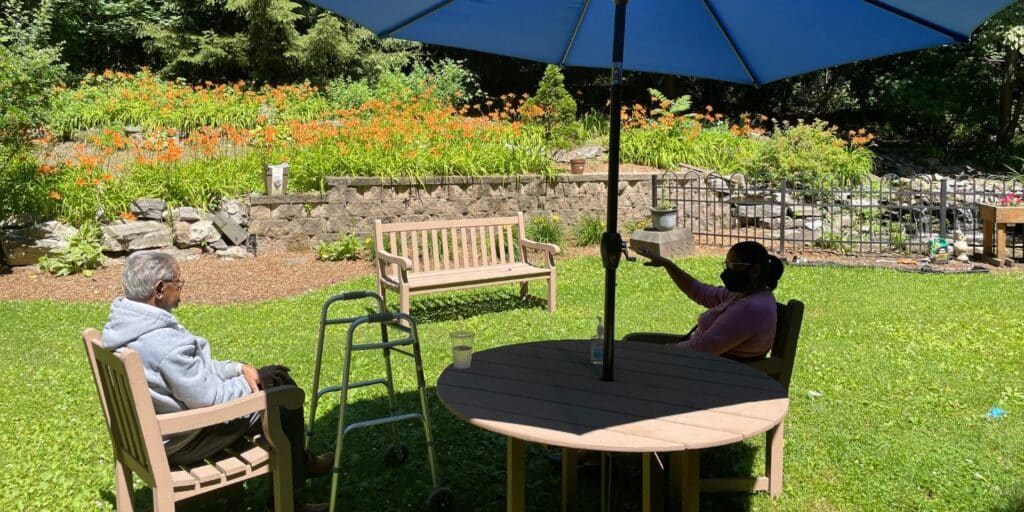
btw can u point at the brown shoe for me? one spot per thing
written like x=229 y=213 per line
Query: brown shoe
x=320 y=466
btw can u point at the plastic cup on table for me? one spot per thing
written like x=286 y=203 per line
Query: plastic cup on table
x=462 y=349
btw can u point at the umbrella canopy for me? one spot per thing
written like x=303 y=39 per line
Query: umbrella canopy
x=743 y=41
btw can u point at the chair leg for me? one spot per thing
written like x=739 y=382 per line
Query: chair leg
x=404 y=300
x=524 y=290
x=123 y=487
x=773 y=461
x=551 y=292
x=163 y=500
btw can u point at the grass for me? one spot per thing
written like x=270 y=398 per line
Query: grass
x=907 y=366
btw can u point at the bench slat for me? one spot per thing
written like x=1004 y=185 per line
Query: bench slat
x=455 y=223
x=465 y=250
x=474 y=247
x=206 y=474
x=492 y=273
x=494 y=245
x=501 y=244
x=444 y=249
x=435 y=250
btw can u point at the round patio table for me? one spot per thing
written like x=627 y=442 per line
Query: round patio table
x=663 y=399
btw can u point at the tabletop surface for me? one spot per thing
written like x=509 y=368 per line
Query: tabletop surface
x=663 y=398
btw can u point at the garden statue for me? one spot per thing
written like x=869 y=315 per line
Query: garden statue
x=960 y=246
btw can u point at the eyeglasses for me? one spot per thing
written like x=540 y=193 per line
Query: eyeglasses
x=180 y=283
x=731 y=265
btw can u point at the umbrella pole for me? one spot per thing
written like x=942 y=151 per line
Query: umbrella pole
x=611 y=242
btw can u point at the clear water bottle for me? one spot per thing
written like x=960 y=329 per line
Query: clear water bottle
x=597 y=345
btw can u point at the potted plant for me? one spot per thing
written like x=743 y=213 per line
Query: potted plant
x=664 y=214
x=577 y=165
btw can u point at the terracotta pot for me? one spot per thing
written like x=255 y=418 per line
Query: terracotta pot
x=576 y=165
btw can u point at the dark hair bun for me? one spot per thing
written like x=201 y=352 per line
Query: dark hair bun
x=773 y=272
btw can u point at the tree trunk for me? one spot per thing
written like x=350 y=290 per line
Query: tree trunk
x=1007 y=121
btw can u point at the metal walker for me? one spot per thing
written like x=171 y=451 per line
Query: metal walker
x=441 y=498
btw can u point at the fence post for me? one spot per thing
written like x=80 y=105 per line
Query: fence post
x=654 y=191
x=782 y=225
x=942 y=207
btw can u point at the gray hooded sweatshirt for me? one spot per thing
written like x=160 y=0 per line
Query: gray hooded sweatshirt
x=179 y=370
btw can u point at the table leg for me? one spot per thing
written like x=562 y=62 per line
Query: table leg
x=675 y=477
x=1001 y=241
x=687 y=478
x=515 y=480
x=570 y=485
x=652 y=484
x=986 y=238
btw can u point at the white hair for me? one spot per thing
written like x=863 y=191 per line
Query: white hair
x=143 y=270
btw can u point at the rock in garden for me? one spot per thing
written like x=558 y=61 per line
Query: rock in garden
x=588 y=152
x=24 y=246
x=20 y=220
x=237 y=210
x=234 y=253
x=756 y=212
x=136 y=236
x=185 y=214
x=149 y=209
x=195 y=234
x=219 y=245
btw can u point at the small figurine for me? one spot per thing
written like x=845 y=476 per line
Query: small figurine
x=960 y=246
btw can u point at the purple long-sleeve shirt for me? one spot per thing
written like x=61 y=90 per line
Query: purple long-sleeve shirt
x=735 y=325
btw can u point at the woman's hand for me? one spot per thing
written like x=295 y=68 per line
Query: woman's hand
x=656 y=260
x=252 y=377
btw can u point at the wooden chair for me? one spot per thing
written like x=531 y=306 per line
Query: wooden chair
x=779 y=366
x=136 y=432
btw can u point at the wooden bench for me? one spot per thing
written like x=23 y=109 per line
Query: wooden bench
x=416 y=258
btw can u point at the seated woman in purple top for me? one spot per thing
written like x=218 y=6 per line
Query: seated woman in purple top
x=741 y=316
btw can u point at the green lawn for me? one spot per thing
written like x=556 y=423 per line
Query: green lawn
x=907 y=366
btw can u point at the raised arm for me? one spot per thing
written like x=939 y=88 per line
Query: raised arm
x=705 y=295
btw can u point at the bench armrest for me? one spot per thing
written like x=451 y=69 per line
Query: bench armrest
x=551 y=249
x=289 y=397
x=402 y=262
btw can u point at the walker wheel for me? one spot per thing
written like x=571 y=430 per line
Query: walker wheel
x=441 y=500
x=396 y=455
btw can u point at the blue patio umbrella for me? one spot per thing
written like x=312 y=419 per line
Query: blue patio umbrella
x=742 y=41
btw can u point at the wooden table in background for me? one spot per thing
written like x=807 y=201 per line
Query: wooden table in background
x=994 y=219
x=663 y=399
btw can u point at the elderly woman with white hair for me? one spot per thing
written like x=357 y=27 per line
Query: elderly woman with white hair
x=182 y=374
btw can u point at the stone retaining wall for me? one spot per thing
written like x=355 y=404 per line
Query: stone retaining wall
x=350 y=205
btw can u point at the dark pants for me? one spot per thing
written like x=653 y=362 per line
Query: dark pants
x=215 y=438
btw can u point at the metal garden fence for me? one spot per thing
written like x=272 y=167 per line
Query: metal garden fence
x=891 y=215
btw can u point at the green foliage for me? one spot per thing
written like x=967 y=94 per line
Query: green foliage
x=545 y=229
x=588 y=230
x=669 y=106
x=667 y=146
x=335 y=47
x=269 y=41
x=813 y=154
x=28 y=71
x=553 y=108
x=445 y=82
x=83 y=254
x=348 y=247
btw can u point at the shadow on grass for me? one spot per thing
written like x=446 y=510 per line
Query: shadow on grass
x=460 y=306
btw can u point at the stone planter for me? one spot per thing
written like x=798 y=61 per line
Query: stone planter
x=577 y=165
x=664 y=219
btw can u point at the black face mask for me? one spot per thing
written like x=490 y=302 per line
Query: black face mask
x=735 y=281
